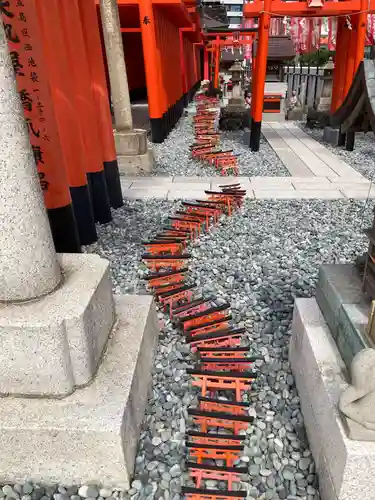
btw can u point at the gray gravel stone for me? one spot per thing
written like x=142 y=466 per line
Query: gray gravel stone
x=9 y=492
x=27 y=488
x=279 y=262
x=88 y=491
x=173 y=155
x=105 y=493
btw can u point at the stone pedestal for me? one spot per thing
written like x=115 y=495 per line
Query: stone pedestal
x=345 y=308
x=75 y=364
x=344 y=466
x=331 y=135
x=131 y=144
x=134 y=155
x=91 y=435
x=295 y=113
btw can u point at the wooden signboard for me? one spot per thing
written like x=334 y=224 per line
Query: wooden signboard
x=24 y=36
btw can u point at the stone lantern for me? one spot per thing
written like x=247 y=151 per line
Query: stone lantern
x=236 y=71
x=324 y=102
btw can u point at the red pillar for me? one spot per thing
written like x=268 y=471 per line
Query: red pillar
x=340 y=65
x=98 y=84
x=217 y=63
x=351 y=56
x=260 y=77
x=361 y=35
x=182 y=62
x=152 y=69
x=206 y=75
x=33 y=75
x=84 y=107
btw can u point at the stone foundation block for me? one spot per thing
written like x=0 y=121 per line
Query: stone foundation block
x=52 y=345
x=131 y=143
x=344 y=466
x=331 y=135
x=92 y=434
x=136 y=164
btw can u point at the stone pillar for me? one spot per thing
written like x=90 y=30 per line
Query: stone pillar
x=133 y=154
x=28 y=262
x=116 y=65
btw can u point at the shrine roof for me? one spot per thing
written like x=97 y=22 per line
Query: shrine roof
x=279 y=47
x=229 y=56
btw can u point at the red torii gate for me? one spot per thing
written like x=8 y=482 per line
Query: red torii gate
x=350 y=44
x=224 y=38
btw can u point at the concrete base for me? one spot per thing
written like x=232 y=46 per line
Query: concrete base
x=324 y=104
x=134 y=165
x=295 y=114
x=331 y=135
x=131 y=143
x=344 y=466
x=91 y=435
x=133 y=154
x=345 y=308
x=52 y=345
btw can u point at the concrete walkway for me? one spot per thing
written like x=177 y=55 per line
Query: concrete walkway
x=261 y=188
x=315 y=173
x=302 y=155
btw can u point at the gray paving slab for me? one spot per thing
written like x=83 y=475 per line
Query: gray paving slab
x=290 y=159
x=330 y=159
x=145 y=193
x=317 y=166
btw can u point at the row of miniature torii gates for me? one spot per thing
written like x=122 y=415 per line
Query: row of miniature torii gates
x=350 y=45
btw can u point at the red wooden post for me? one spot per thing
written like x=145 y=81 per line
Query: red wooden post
x=83 y=102
x=94 y=54
x=151 y=60
x=260 y=76
x=28 y=51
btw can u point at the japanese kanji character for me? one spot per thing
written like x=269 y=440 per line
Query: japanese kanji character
x=46 y=137
x=38 y=154
x=43 y=183
x=17 y=66
x=26 y=100
x=36 y=133
x=146 y=20
x=20 y=3
x=34 y=77
x=25 y=33
x=4 y=10
x=28 y=47
x=12 y=37
x=22 y=17
x=40 y=107
x=32 y=62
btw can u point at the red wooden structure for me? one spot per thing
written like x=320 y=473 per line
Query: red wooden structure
x=162 y=45
x=350 y=43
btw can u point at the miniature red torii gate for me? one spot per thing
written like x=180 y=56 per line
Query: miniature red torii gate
x=350 y=44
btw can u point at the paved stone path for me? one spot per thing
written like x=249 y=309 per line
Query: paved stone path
x=315 y=172
x=257 y=187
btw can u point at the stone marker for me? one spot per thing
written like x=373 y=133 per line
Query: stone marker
x=131 y=144
x=75 y=362
x=28 y=263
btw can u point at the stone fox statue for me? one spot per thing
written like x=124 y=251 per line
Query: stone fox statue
x=357 y=402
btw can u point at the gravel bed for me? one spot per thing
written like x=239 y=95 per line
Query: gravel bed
x=121 y=240
x=361 y=159
x=173 y=155
x=260 y=266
